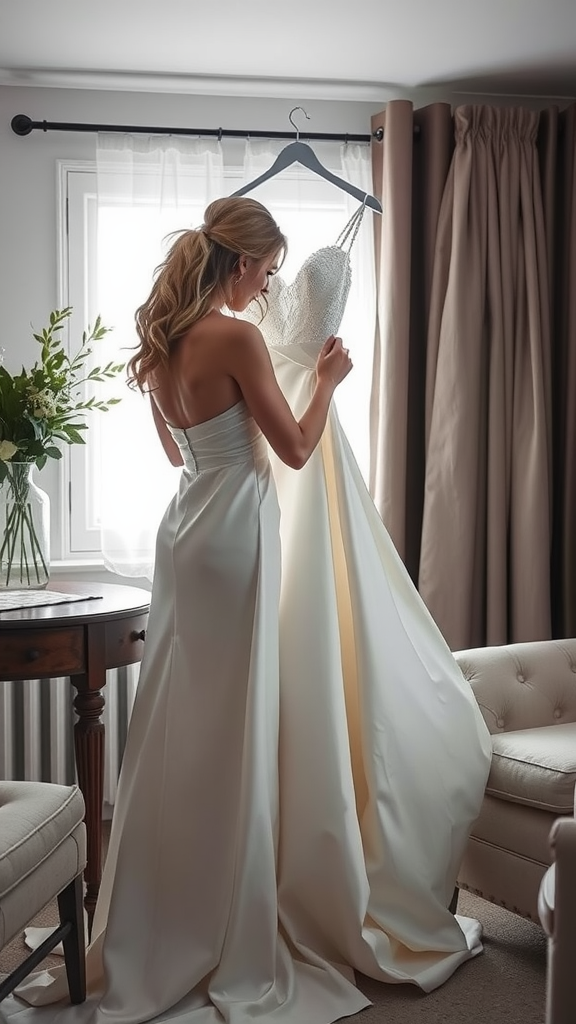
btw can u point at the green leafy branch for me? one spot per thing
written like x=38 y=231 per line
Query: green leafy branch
x=43 y=406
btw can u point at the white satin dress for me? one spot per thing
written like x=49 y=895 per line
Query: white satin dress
x=304 y=760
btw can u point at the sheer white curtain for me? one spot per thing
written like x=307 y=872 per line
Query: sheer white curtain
x=147 y=188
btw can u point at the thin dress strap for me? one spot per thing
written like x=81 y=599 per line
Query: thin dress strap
x=349 y=232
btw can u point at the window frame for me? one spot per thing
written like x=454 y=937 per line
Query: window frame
x=68 y=170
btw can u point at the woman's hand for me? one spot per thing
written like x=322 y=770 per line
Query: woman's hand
x=251 y=367
x=333 y=363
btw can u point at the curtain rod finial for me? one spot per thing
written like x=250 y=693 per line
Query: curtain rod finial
x=21 y=124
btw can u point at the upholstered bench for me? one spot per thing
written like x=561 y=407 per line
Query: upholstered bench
x=527 y=694
x=42 y=855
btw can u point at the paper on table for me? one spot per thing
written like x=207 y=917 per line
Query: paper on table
x=12 y=600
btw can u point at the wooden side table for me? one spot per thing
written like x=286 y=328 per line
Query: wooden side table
x=81 y=640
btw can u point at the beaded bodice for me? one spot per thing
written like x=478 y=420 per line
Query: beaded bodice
x=306 y=312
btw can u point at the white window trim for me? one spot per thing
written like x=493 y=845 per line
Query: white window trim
x=69 y=556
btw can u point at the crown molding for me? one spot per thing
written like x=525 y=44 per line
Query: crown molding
x=200 y=85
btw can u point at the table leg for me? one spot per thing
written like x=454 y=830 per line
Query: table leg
x=89 y=748
x=89 y=742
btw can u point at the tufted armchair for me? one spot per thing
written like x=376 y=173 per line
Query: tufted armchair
x=527 y=694
x=42 y=856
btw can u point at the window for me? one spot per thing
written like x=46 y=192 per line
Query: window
x=109 y=252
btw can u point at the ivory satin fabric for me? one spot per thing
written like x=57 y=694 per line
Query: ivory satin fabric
x=305 y=759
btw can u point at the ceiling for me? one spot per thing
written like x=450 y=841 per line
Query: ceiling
x=521 y=47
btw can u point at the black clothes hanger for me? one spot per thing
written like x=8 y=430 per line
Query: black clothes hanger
x=302 y=153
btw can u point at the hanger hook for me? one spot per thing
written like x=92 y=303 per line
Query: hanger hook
x=294 y=123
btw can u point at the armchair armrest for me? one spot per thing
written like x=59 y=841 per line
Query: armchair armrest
x=557 y=909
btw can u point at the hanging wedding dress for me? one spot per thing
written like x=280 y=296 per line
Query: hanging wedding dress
x=304 y=760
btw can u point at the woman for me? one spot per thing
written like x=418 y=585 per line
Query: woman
x=189 y=839
x=304 y=759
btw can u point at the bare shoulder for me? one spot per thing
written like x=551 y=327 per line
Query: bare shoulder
x=219 y=329
x=241 y=342
x=243 y=331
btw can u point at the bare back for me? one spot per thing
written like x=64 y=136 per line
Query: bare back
x=196 y=384
x=221 y=360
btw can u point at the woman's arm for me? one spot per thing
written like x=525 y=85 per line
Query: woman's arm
x=168 y=443
x=292 y=440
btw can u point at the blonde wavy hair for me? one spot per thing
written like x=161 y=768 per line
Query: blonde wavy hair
x=200 y=264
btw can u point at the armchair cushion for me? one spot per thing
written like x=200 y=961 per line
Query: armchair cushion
x=536 y=767
x=34 y=820
x=42 y=855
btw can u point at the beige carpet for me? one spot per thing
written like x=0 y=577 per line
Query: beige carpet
x=504 y=985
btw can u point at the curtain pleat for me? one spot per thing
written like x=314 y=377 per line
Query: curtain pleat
x=557 y=143
x=487 y=462
x=409 y=171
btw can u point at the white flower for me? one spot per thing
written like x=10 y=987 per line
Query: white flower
x=7 y=450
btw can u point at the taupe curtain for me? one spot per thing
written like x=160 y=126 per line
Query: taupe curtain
x=473 y=421
x=557 y=151
x=410 y=169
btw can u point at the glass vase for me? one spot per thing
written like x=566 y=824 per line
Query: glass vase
x=24 y=530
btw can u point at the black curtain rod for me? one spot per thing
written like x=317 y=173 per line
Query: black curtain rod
x=23 y=125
